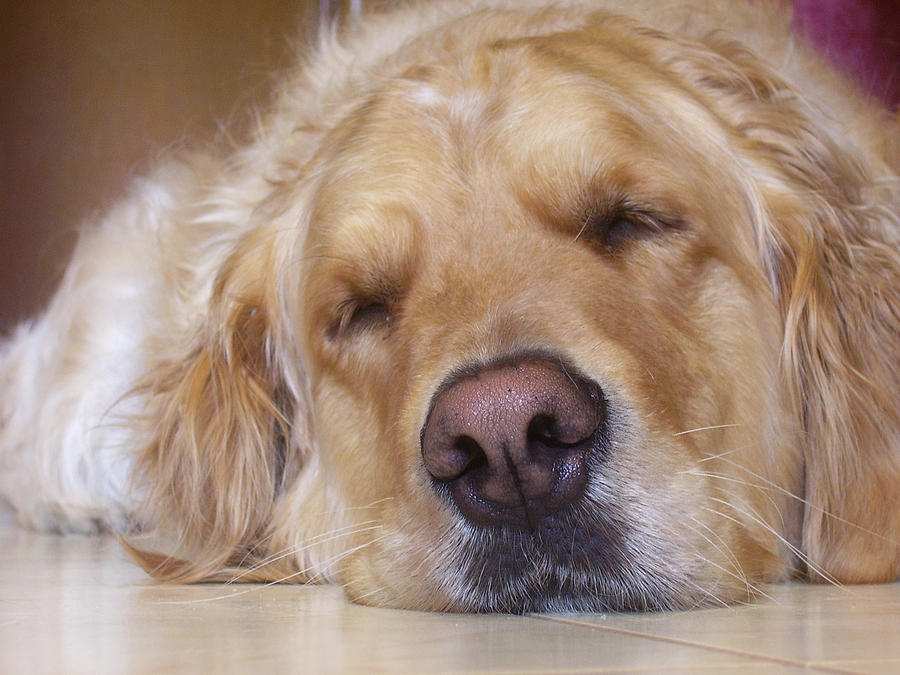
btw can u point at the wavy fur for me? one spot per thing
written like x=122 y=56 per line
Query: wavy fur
x=242 y=354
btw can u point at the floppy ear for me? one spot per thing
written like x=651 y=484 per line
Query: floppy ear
x=828 y=217
x=222 y=447
x=839 y=276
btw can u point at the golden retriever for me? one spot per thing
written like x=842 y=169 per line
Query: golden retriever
x=505 y=308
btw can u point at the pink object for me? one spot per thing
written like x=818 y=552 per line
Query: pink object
x=862 y=37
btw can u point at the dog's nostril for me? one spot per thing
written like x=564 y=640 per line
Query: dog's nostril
x=462 y=455
x=469 y=452
x=543 y=430
x=511 y=442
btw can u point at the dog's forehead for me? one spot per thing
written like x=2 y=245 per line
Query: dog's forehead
x=551 y=115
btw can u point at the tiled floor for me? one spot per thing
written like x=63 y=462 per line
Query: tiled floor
x=77 y=605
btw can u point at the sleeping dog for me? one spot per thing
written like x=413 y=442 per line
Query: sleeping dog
x=506 y=307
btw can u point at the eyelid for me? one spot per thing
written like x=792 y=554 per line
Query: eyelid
x=612 y=228
x=356 y=315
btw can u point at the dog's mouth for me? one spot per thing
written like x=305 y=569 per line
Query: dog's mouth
x=580 y=561
x=562 y=564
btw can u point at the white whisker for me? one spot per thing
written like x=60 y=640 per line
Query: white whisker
x=812 y=506
x=709 y=428
x=326 y=537
x=379 y=589
x=722 y=547
x=738 y=481
x=739 y=574
x=720 y=454
x=794 y=549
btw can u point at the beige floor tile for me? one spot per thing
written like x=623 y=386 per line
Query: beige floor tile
x=815 y=624
x=876 y=667
x=77 y=605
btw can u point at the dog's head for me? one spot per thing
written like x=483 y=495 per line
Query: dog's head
x=581 y=316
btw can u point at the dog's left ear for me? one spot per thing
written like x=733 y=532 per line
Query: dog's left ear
x=828 y=217
x=838 y=271
x=223 y=445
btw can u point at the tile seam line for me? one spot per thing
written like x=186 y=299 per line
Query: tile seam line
x=783 y=661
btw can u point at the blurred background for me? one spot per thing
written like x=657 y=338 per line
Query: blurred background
x=92 y=91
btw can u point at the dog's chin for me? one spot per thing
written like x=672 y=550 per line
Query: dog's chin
x=578 y=562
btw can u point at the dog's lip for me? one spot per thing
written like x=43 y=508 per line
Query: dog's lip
x=572 y=562
x=587 y=533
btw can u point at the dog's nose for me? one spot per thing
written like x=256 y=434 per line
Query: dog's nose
x=511 y=443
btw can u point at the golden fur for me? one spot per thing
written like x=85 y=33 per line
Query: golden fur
x=678 y=201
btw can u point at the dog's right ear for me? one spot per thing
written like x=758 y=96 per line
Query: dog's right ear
x=223 y=445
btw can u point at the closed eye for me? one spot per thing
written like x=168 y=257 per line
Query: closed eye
x=356 y=316
x=616 y=230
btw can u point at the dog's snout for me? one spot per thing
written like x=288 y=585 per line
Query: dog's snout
x=512 y=442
